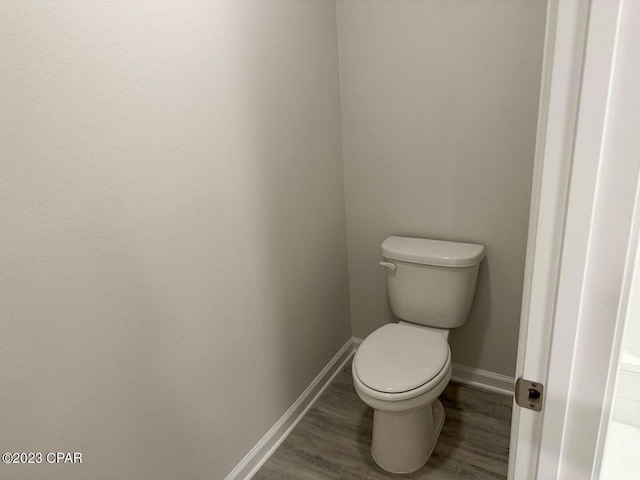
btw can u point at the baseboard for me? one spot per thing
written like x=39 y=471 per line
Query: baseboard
x=493 y=382
x=475 y=377
x=268 y=444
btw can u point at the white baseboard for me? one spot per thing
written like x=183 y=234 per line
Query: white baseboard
x=475 y=377
x=268 y=444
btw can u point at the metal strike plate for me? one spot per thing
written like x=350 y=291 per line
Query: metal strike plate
x=529 y=394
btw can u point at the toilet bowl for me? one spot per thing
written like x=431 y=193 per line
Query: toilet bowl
x=401 y=369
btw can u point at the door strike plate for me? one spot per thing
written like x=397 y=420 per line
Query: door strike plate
x=529 y=394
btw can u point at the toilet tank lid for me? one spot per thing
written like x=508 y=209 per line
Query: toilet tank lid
x=432 y=252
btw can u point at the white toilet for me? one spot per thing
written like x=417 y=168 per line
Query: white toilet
x=401 y=369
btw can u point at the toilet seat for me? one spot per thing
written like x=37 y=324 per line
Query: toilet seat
x=400 y=361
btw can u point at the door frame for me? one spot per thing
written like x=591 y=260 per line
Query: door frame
x=576 y=179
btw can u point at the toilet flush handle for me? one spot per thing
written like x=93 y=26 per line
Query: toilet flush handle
x=391 y=266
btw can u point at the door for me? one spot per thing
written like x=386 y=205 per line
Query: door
x=581 y=230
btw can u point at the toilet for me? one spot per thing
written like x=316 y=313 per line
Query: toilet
x=401 y=369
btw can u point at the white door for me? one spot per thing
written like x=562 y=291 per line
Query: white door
x=581 y=232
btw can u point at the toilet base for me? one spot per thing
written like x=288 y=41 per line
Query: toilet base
x=402 y=442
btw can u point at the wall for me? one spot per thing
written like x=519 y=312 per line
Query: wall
x=439 y=106
x=173 y=251
x=631 y=342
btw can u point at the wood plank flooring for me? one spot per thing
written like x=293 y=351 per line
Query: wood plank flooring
x=333 y=439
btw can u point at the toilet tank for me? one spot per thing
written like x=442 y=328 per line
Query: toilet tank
x=431 y=282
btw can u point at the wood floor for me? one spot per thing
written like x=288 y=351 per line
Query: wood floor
x=333 y=439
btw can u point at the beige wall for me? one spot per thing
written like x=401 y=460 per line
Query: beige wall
x=439 y=105
x=173 y=251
